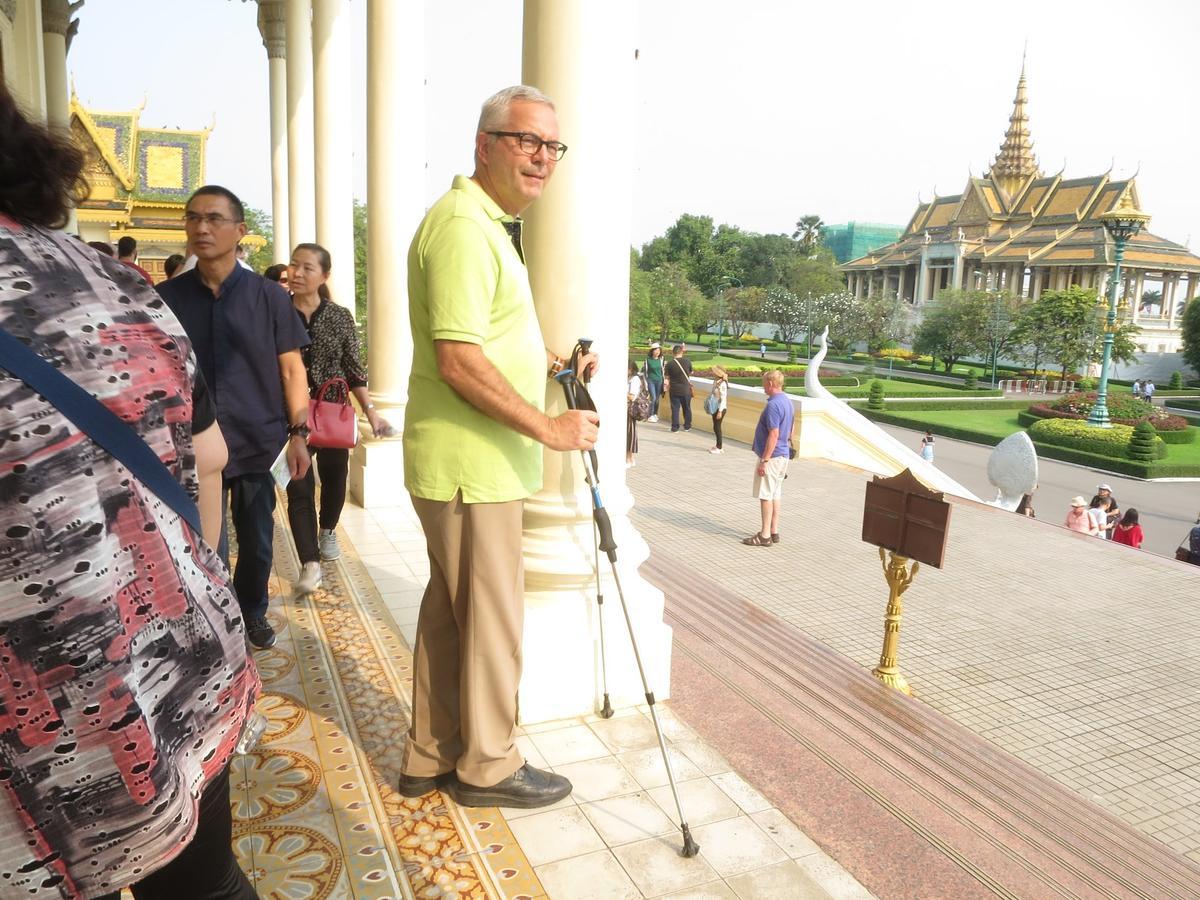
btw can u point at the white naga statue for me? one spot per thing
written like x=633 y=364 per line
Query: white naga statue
x=812 y=381
x=1013 y=470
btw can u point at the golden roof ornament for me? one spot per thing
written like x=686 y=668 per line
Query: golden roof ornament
x=1015 y=163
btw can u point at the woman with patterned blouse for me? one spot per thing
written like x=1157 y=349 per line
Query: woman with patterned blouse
x=333 y=353
x=124 y=679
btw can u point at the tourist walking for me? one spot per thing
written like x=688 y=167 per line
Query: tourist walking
x=1112 y=508
x=1189 y=550
x=124 y=678
x=1025 y=507
x=1137 y=389
x=636 y=383
x=762 y=350
x=1098 y=511
x=772 y=447
x=470 y=463
x=1078 y=518
x=247 y=339
x=927 y=447
x=678 y=374
x=654 y=377
x=719 y=399
x=1148 y=390
x=332 y=352
x=1128 y=531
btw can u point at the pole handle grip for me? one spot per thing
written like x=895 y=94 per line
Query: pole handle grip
x=604 y=526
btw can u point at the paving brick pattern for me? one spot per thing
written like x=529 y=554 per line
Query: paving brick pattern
x=1076 y=655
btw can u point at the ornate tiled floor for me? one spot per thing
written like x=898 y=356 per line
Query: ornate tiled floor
x=317 y=815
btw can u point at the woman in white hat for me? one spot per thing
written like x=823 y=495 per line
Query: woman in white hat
x=1078 y=518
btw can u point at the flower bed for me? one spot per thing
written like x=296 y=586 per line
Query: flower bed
x=1112 y=441
x=757 y=371
x=1121 y=410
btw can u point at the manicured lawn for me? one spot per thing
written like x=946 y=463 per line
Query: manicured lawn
x=998 y=423
x=896 y=389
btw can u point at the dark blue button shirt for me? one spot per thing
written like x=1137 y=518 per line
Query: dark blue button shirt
x=238 y=337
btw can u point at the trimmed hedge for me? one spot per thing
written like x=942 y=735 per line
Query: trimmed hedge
x=934 y=404
x=1186 y=404
x=1111 y=441
x=864 y=391
x=1187 y=436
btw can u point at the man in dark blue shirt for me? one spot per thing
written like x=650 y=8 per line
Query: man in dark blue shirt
x=247 y=339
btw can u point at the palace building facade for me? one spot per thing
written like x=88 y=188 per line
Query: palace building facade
x=1019 y=230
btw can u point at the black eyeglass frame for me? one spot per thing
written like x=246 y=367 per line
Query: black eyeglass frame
x=556 y=149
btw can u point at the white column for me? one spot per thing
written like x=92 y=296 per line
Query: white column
x=395 y=203
x=956 y=283
x=1170 y=283
x=582 y=55
x=332 y=49
x=302 y=223
x=25 y=72
x=923 y=280
x=56 y=21
x=272 y=24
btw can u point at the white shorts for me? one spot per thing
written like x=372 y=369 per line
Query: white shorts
x=770 y=485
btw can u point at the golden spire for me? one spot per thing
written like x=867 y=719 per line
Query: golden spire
x=1015 y=162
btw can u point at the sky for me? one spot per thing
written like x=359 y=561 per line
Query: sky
x=754 y=113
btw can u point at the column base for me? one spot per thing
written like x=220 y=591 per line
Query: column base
x=377 y=473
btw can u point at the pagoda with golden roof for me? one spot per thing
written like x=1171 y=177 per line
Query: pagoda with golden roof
x=1016 y=229
x=140 y=180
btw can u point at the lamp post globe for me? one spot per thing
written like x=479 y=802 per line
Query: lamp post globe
x=1123 y=222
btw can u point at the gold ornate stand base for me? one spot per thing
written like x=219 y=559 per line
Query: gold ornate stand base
x=899 y=577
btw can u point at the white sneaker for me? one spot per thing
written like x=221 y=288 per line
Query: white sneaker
x=652 y=419
x=310 y=578
x=328 y=543
x=716 y=450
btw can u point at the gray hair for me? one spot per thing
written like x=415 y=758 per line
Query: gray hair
x=495 y=107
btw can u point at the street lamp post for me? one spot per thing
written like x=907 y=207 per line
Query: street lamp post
x=729 y=282
x=1122 y=222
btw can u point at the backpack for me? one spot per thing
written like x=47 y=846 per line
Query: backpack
x=711 y=404
x=639 y=406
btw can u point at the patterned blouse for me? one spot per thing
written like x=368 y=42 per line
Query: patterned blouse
x=124 y=679
x=333 y=352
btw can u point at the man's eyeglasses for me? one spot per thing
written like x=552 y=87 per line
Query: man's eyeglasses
x=212 y=220
x=531 y=144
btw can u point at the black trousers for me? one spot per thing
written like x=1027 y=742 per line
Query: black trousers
x=333 y=465
x=250 y=500
x=207 y=868
x=718 y=418
x=681 y=402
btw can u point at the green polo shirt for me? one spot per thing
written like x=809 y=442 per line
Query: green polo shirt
x=467 y=283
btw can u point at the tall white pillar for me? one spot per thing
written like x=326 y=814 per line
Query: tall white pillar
x=335 y=153
x=25 y=74
x=302 y=215
x=395 y=205
x=923 y=280
x=56 y=21
x=577 y=247
x=272 y=24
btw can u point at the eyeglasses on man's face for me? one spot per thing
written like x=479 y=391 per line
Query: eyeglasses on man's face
x=530 y=144
x=212 y=220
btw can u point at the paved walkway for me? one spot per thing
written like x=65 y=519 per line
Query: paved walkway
x=1075 y=655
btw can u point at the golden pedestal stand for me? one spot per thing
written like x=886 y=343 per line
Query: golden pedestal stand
x=899 y=577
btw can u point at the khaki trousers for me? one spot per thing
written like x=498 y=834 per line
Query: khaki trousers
x=467 y=659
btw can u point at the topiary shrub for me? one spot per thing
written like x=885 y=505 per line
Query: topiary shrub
x=791 y=357
x=875 y=398
x=869 y=369
x=1141 y=445
x=971 y=381
x=1176 y=383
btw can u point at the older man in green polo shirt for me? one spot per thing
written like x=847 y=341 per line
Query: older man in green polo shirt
x=473 y=436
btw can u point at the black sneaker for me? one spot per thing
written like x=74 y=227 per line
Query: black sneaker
x=526 y=788
x=260 y=633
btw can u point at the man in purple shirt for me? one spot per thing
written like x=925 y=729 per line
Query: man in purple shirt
x=772 y=446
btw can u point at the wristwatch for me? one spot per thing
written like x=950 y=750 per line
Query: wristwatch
x=298 y=430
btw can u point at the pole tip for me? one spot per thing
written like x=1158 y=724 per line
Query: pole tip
x=690 y=847
x=607 y=711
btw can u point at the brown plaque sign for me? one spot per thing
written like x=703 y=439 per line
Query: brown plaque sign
x=906 y=517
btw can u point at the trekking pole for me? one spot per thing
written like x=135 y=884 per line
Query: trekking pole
x=606 y=711
x=606 y=543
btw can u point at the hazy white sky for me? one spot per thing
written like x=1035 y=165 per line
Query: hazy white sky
x=754 y=112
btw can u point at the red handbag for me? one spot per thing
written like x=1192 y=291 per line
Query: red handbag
x=332 y=423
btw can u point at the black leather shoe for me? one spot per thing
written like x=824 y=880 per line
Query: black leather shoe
x=526 y=788
x=416 y=786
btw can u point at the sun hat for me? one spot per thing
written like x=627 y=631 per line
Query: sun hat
x=1103 y=487
x=1078 y=501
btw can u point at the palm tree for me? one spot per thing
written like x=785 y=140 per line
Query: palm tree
x=808 y=232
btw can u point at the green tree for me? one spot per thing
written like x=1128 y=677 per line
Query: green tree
x=954 y=326
x=1068 y=327
x=744 y=307
x=1190 y=327
x=360 y=263
x=642 y=320
x=815 y=275
x=841 y=313
x=785 y=311
x=884 y=319
x=259 y=222
x=808 y=233
x=672 y=299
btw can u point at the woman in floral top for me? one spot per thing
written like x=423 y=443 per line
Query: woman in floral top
x=333 y=353
x=124 y=680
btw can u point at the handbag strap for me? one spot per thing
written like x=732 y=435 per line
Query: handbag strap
x=100 y=424
x=341 y=384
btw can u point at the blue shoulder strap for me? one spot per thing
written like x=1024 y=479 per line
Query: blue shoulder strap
x=99 y=423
